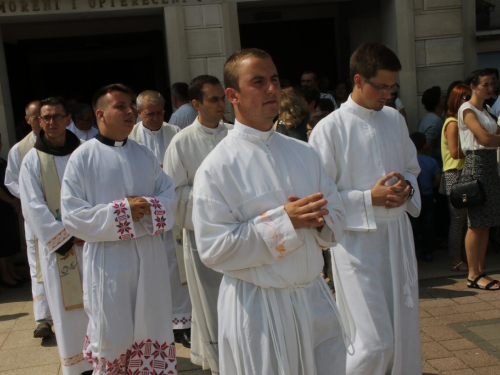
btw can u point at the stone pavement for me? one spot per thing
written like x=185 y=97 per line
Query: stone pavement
x=460 y=327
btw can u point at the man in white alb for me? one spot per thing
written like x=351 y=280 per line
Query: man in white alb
x=17 y=153
x=116 y=197
x=82 y=120
x=366 y=150
x=263 y=209
x=60 y=253
x=184 y=155
x=156 y=135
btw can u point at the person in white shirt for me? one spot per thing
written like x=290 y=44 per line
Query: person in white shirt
x=82 y=120
x=185 y=113
x=60 y=253
x=366 y=150
x=184 y=155
x=156 y=135
x=43 y=318
x=116 y=197
x=263 y=210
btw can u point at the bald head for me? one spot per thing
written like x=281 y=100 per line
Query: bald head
x=32 y=111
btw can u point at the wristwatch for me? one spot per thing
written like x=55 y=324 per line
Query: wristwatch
x=412 y=190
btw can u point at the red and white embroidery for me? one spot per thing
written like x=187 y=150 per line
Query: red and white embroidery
x=158 y=212
x=123 y=223
x=145 y=358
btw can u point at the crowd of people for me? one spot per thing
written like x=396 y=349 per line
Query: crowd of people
x=141 y=233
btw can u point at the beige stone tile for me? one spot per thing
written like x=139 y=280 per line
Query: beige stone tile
x=424 y=314
x=457 y=344
x=447 y=364
x=427 y=322
x=433 y=350
x=495 y=304
x=493 y=370
x=465 y=300
x=39 y=370
x=441 y=333
x=6 y=326
x=20 y=339
x=425 y=338
x=459 y=318
x=10 y=308
x=476 y=358
x=436 y=303
x=489 y=296
x=3 y=336
x=465 y=371
x=11 y=359
x=427 y=369
x=490 y=314
x=24 y=324
x=474 y=307
x=438 y=311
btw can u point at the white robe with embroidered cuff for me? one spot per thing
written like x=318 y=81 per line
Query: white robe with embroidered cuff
x=157 y=142
x=70 y=326
x=40 y=304
x=375 y=269
x=183 y=157
x=271 y=269
x=126 y=288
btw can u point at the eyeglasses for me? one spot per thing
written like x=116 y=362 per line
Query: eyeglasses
x=151 y=114
x=466 y=97
x=392 y=89
x=47 y=118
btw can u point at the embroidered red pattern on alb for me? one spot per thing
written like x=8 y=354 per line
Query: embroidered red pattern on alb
x=145 y=358
x=159 y=214
x=125 y=230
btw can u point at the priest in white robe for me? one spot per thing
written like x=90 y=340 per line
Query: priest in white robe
x=41 y=310
x=116 y=197
x=60 y=253
x=263 y=210
x=366 y=150
x=156 y=135
x=82 y=120
x=183 y=157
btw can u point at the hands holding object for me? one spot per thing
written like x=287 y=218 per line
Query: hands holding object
x=139 y=207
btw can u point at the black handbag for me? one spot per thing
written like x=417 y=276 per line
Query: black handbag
x=467 y=191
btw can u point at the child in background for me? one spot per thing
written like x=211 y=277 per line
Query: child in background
x=429 y=177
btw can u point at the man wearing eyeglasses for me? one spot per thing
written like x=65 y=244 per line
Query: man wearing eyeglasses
x=156 y=135
x=60 y=253
x=366 y=150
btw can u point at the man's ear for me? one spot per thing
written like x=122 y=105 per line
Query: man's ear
x=196 y=104
x=232 y=95
x=99 y=114
x=357 y=80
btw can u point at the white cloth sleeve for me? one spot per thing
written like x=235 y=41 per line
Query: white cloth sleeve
x=49 y=231
x=225 y=243
x=12 y=171
x=174 y=167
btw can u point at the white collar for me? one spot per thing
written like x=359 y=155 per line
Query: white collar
x=239 y=127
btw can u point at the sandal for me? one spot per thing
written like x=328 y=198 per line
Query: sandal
x=475 y=285
x=457 y=267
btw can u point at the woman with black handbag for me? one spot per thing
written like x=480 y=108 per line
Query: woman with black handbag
x=479 y=140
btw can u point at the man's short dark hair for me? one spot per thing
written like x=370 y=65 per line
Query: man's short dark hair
x=310 y=94
x=431 y=98
x=181 y=91
x=315 y=75
x=53 y=101
x=110 y=88
x=196 y=86
x=419 y=140
x=232 y=65
x=371 y=57
x=79 y=109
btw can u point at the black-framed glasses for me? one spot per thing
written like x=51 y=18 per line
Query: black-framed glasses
x=47 y=118
x=466 y=97
x=383 y=90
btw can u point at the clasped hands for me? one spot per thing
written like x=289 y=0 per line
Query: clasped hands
x=390 y=196
x=307 y=212
x=139 y=207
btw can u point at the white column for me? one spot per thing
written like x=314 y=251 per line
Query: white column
x=7 y=128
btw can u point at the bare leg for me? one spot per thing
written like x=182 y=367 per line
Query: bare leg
x=476 y=241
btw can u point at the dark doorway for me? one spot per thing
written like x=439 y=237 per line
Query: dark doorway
x=296 y=46
x=76 y=67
